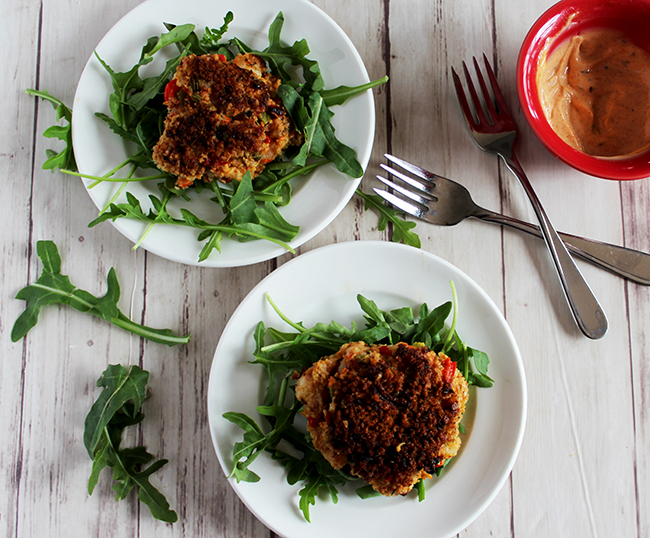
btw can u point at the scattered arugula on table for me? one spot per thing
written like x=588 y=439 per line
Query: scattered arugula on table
x=118 y=406
x=137 y=114
x=65 y=158
x=52 y=287
x=289 y=352
x=402 y=229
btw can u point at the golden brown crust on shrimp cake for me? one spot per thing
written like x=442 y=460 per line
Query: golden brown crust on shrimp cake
x=224 y=120
x=389 y=412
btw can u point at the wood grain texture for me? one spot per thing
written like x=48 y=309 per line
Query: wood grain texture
x=584 y=467
x=16 y=167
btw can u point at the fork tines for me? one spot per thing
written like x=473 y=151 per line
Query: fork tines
x=421 y=191
x=493 y=108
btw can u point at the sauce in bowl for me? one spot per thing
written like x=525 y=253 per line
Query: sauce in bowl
x=555 y=29
x=594 y=90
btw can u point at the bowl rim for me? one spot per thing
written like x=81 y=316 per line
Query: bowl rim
x=548 y=26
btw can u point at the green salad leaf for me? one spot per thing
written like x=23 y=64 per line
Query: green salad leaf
x=212 y=37
x=118 y=406
x=281 y=354
x=65 y=158
x=402 y=229
x=52 y=287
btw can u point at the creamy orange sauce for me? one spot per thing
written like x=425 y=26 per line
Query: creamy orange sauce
x=595 y=92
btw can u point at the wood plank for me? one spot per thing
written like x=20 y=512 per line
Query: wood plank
x=16 y=141
x=636 y=215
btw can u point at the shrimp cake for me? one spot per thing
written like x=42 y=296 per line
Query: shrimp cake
x=390 y=413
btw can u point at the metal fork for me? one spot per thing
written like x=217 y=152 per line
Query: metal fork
x=496 y=132
x=444 y=202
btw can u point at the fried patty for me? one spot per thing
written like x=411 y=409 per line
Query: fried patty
x=224 y=119
x=389 y=412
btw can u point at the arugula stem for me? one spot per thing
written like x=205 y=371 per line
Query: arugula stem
x=283 y=317
x=214 y=187
x=114 y=171
x=283 y=390
x=143 y=236
x=452 y=329
x=105 y=176
x=162 y=209
x=147 y=332
x=100 y=179
x=237 y=231
x=122 y=321
x=119 y=191
x=300 y=171
x=257 y=196
x=321 y=337
x=463 y=348
x=73 y=298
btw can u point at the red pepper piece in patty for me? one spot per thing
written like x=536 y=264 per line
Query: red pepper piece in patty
x=448 y=371
x=171 y=89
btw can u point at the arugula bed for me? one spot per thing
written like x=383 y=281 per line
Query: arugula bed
x=288 y=352
x=243 y=211
x=393 y=276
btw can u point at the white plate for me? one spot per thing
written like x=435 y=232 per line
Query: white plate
x=322 y=285
x=317 y=199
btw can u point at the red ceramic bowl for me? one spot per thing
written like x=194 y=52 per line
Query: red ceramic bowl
x=555 y=26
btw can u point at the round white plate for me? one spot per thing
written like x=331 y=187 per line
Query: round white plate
x=322 y=285
x=317 y=198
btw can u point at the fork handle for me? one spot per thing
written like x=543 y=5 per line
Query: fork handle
x=585 y=308
x=626 y=262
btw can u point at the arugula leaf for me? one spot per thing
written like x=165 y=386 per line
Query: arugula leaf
x=276 y=226
x=478 y=374
x=313 y=119
x=242 y=205
x=401 y=228
x=367 y=492
x=431 y=327
x=420 y=489
x=121 y=387
x=244 y=452
x=316 y=473
x=65 y=158
x=130 y=92
x=338 y=96
x=279 y=57
x=191 y=44
x=212 y=37
x=131 y=209
x=52 y=287
x=117 y=407
x=152 y=86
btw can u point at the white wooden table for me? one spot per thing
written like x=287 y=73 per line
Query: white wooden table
x=584 y=467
